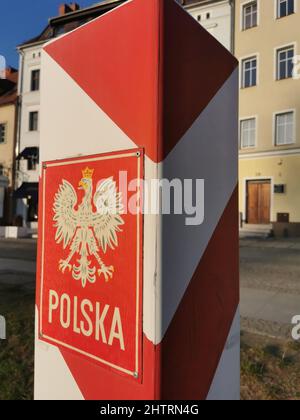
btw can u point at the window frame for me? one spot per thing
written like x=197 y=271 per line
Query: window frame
x=4 y=124
x=275 y=115
x=277 y=9
x=32 y=80
x=241 y=121
x=29 y=121
x=277 y=50
x=32 y=163
x=242 y=15
x=242 y=75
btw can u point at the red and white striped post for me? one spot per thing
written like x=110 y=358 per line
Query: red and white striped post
x=144 y=89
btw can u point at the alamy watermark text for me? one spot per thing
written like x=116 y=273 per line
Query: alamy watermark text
x=2 y=328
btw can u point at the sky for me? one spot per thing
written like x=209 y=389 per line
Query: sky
x=21 y=20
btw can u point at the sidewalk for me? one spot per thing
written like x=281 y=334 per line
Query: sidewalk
x=17 y=266
x=283 y=243
x=268 y=313
x=18 y=262
x=270 y=285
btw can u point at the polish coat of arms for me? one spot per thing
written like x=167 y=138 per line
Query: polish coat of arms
x=85 y=232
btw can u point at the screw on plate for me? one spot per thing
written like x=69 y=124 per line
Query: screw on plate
x=44 y=166
x=136 y=375
x=41 y=335
x=138 y=154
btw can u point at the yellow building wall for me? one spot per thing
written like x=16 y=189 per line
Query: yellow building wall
x=270 y=96
x=280 y=164
x=280 y=170
x=7 y=116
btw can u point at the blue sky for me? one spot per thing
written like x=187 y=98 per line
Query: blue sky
x=24 y=19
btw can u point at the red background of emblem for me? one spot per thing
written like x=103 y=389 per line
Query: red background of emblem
x=119 y=292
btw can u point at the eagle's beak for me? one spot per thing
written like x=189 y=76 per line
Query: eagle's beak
x=82 y=185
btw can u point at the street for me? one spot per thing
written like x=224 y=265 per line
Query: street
x=270 y=297
x=17 y=292
x=270 y=280
x=270 y=285
x=17 y=262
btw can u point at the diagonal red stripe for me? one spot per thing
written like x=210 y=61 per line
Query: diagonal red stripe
x=184 y=364
x=98 y=383
x=193 y=345
x=195 y=67
x=149 y=66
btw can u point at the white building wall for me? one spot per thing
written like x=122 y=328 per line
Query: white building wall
x=30 y=59
x=216 y=18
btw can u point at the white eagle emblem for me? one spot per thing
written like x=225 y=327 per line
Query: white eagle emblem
x=86 y=231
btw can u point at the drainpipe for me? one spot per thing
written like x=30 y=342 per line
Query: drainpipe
x=12 y=203
x=19 y=112
x=232 y=6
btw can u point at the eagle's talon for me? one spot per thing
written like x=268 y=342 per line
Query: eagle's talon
x=107 y=272
x=63 y=265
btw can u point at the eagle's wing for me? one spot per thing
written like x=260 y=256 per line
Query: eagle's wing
x=107 y=220
x=65 y=216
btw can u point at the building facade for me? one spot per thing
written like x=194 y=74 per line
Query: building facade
x=8 y=118
x=267 y=45
x=27 y=173
x=216 y=16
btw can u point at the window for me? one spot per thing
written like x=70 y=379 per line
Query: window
x=60 y=30
x=2 y=133
x=248 y=133
x=35 y=80
x=284 y=129
x=1 y=170
x=249 y=72
x=285 y=63
x=250 y=15
x=33 y=121
x=32 y=214
x=32 y=162
x=285 y=8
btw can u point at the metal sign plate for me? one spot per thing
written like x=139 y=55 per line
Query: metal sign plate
x=90 y=259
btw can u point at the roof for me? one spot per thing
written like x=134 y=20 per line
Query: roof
x=97 y=9
x=62 y=24
x=8 y=87
x=9 y=97
x=71 y=20
x=190 y=3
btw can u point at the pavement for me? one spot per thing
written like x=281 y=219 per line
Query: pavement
x=270 y=280
x=270 y=285
x=17 y=265
x=18 y=262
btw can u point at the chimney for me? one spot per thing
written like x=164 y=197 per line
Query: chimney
x=74 y=7
x=68 y=8
x=11 y=74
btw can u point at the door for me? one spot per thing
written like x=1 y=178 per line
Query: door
x=258 y=202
